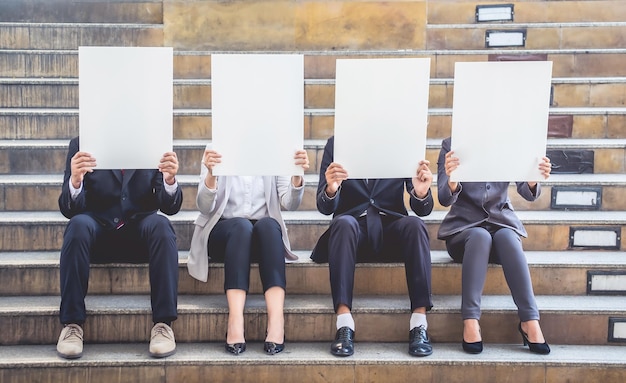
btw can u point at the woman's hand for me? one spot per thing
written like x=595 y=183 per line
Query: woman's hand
x=545 y=167
x=210 y=158
x=302 y=159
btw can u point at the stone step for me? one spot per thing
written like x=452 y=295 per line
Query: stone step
x=318 y=94
x=547 y=230
x=82 y=11
x=49 y=156
x=71 y=36
x=379 y=318
x=312 y=362
x=537 y=35
x=463 y=11
x=33 y=192
x=196 y=64
x=37 y=273
x=48 y=123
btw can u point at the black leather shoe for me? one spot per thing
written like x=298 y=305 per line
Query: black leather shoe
x=537 y=348
x=235 y=348
x=419 y=343
x=473 y=348
x=272 y=348
x=344 y=342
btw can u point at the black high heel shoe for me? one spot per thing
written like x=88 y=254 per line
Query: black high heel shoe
x=235 y=348
x=473 y=348
x=537 y=348
x=272 y=348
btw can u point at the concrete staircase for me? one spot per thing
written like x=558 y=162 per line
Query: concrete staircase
x=580 y=289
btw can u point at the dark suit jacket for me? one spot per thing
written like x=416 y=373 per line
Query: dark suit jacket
x=477 y=202
x=110 y=197
x=355 y=196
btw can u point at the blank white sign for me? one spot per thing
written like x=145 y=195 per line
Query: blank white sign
x=125 y=105
x=381 y=114
x=257 y=113
x=500 y=120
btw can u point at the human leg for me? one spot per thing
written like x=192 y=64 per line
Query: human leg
x=78 y=240
x=471 y=247
x=230 y=241
x=509 y=253
x=408 y=237
x=345 y=236
x=159 y=237
x=157 y=234
x=269 y=249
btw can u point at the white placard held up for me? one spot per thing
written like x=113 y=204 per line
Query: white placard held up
x=381 y=114
x=257 y=113
x=126 y=105
x=500 y=120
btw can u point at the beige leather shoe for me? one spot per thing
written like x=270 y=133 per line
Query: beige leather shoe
x=162 y=342
x=70 y=344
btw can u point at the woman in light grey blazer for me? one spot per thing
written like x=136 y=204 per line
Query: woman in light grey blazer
x=481 y=227
x=239 y=223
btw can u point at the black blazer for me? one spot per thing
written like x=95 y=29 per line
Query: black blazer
x=110 y=197
x=355 y=196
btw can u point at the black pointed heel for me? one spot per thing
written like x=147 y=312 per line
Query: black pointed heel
x=473 y=348
x=537 y=348
x=272 y=348
x=234 y=348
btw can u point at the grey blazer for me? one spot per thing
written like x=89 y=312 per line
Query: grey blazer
x=476 y=202
x=279 y=191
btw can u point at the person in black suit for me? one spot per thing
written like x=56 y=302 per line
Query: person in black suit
x=113 y=218
x=371 y=224
x=482 y=227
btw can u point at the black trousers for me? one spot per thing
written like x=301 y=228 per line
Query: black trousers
x=238 y=242
x=404 y=240
x=151 y=239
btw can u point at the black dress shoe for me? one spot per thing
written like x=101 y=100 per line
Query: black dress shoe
x=344 y=342
x=473 y=348
x=537 y=348
x=272 y=348
x=235 y=348
x=419 y=343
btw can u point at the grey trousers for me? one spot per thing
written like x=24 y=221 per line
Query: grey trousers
x=476 y=248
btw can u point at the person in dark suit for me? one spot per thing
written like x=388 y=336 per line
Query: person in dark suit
x=481 y=227
x=371 y=224
x=113 y=218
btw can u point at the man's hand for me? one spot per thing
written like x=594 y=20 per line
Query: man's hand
x=169 y=167
x=335 y=175
x=423 y=179
x=82 y=163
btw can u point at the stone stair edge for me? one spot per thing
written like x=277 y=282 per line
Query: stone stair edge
x=306 y=353
x=439 y=258
x=517 y=25
x=486 y=25
x=125 y=25
x=431 y=143
x=591 y=80
x=189 y=304
x=181 y=112
x=359 y=52
x=312 y=217
x=310 y=179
